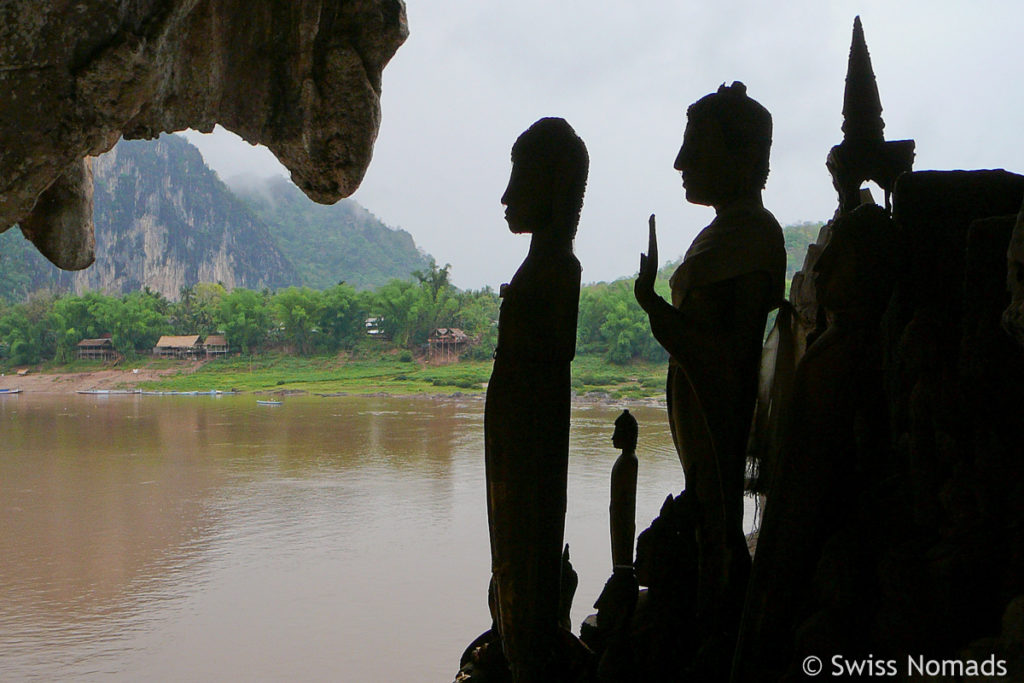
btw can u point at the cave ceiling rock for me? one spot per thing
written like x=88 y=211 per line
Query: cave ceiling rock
x=301 y=77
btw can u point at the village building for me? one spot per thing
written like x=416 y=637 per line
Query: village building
x=374 y=327
x=215 y=345
x=96 y=349
x=446 y=343
x=178 y=346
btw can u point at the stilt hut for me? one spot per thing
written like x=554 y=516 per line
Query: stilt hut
x=446 y=343
x=96 y=349
x=178 y=346
x=215 y=345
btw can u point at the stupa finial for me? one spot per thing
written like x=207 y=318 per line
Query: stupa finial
x=862 y=107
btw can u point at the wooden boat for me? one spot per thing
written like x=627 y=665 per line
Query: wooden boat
x=211 y=392
x=269 y=403
x=109 y=392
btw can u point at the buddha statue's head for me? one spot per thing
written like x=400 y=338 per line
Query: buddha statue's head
x=726 y=145
x=549 y=176
x=625 y=434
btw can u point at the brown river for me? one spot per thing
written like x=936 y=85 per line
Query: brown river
x=174 y=538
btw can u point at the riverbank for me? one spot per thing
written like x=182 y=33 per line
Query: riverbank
x=50 y=382
x=386 y=374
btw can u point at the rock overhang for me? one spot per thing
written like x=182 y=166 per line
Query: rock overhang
x=302 y=77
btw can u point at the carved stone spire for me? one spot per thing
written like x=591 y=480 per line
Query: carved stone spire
x=862 y=107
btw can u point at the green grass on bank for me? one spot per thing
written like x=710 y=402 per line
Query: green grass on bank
x=395 y=373
x=388 y=373
x=322 y=374
x=638 y=379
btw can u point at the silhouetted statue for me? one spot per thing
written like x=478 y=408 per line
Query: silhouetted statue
x=666 y=563
x=863 y=155
x=731 y=277
x=526 y=423
x=570 y=581
x=834 y=437
x=483 y=660
x=837 y=433
x=618 y=599
x=622 y=506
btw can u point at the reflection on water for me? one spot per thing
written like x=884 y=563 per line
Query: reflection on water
x=198 y=538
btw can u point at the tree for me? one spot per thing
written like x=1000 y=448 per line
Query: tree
x=298 y=310
x=435 y=279
x=436 y=305
x=197 y=310
x=27 y=329
x=477 y=316
x=613 y=324
x=624 y=332
x=244 y=315
x=76 y=318
x=394 y=303
x=342 y=317
x=137 y=321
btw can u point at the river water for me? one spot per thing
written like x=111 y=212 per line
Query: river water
x=208 y=539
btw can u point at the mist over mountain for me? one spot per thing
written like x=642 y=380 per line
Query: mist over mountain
x=328 y=244
x=164 y=220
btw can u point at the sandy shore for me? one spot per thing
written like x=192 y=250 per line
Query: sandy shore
x=70 y=382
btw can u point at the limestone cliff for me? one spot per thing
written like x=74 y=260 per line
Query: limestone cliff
x=168 y=222
x=164 y=220
x=173 y=223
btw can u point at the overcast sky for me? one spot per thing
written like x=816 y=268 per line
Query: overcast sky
x=472 y=76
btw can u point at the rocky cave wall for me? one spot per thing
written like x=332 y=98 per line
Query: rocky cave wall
x=302 y=77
